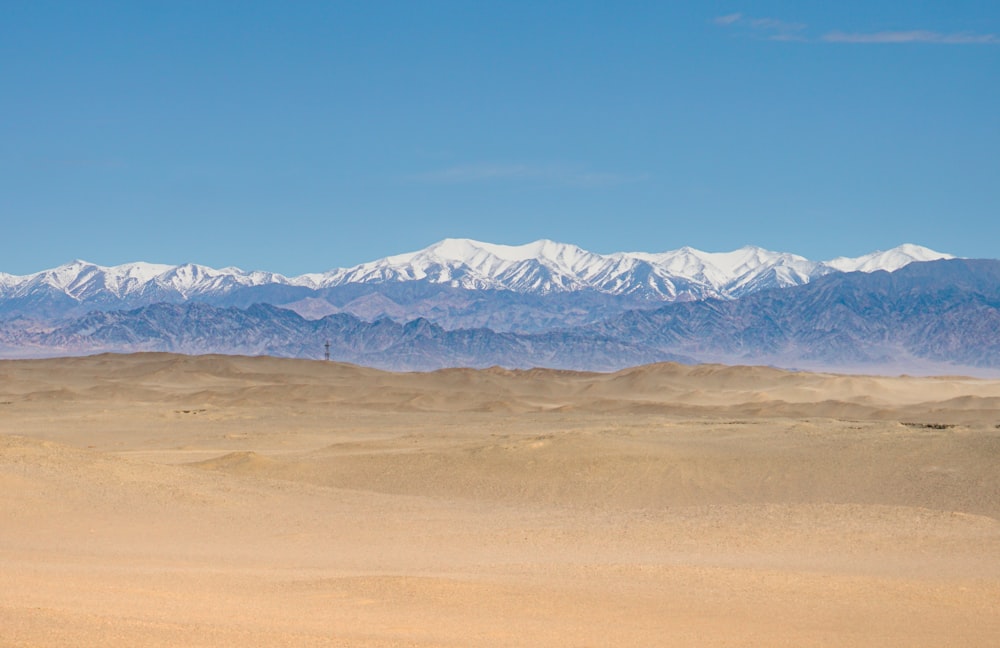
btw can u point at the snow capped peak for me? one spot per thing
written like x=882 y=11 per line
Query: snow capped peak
x=540 y=267
x=467 y=250
x=82 y=280
x=454 y=249
x=730 y=273
x=70 y=273
x=139 y=271
x=64 y=277
x=890 y=260
x=546 y=266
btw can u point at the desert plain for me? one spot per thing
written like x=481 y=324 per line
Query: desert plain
x=164 y=500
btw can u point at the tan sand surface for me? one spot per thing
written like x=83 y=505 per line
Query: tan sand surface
x=161 y=500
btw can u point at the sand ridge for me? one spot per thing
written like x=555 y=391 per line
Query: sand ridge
x=155 y=499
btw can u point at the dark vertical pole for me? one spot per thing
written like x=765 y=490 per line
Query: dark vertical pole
x=327 y=347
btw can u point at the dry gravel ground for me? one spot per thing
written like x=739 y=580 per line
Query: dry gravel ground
x=160 y=500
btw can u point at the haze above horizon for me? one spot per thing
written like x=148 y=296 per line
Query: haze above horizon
x=323 y=135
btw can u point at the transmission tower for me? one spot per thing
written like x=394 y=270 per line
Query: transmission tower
x=326 y=355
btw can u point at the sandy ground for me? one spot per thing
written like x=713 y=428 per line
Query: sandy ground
x=158 y=500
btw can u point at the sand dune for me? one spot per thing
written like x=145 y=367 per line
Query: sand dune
x=162 y=500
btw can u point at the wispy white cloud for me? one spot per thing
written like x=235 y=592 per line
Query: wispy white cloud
x=775 y=29
x=558 y=175
x=771 y=28
x=728 y=19
x=916 y=36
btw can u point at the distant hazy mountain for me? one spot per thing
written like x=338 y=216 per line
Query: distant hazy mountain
x=267 y=330
x=940 y=316
x=923 y=315
x=456 y=283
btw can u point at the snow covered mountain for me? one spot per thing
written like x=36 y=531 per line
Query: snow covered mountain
x=464 y=303
x=937 y=317
x=546 y=267
x=541 y=268
x=85 y=281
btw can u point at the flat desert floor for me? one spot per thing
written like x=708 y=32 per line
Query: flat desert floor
x=161 y=500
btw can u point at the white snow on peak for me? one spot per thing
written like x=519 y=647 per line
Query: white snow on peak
x=722 y=268
x=467 y=250
x=890 y=260
x=539 y=267
x=476 y=253
x=82 y=280
x=139 y=271
x=547 y=266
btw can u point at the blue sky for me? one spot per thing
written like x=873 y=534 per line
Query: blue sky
x=304 y=136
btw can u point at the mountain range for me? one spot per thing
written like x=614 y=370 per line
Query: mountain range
x=456 y=283
x=884 y=313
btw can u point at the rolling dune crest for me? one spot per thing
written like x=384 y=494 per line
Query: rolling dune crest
x=159 y=500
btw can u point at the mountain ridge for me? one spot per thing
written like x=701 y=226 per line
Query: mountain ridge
x=930 y=317
x=539 y=269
